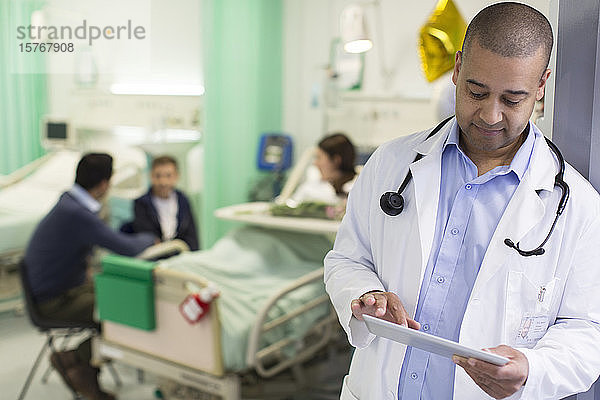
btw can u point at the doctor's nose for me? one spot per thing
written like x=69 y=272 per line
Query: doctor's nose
x=491 y=113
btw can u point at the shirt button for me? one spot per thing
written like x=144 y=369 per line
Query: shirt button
x=468 y=186
x=426 y=327
x=440 y=279
x=454 y=231
x=414 y=375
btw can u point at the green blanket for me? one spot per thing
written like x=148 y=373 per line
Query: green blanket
x=249 y=265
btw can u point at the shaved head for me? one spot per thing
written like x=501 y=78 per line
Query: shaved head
x=510 y=30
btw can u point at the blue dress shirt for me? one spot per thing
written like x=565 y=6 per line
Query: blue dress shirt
x=469 y=210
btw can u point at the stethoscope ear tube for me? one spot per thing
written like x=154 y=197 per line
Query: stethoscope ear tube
x=558 y=181
x=525 y=253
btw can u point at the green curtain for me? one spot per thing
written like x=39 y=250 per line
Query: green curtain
x=243 y=80
x=22 y=89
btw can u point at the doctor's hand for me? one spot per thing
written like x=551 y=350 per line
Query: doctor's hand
x=497 y=381
x=385 y=305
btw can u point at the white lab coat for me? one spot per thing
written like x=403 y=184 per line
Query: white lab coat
x=374 y=251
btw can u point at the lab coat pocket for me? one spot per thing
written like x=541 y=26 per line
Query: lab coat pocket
x=528 y=309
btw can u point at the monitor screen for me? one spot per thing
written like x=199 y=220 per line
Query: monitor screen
x=56 y=130
x=57 y=133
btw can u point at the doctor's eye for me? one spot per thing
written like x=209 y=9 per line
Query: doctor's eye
x=477 y=96
x=511 y=103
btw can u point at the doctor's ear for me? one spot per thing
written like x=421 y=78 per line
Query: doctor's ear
x=457 y=64
x=542 y=85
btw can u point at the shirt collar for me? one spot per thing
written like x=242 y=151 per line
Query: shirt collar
x=453 y=137
x=520 y=161
x=171 y=198
x=85 y=198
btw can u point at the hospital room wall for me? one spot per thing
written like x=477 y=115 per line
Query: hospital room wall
x=23 y=94
x=243 y=79
x=81 y=93
x=385 y=107
x=80 y=89
x=76 y=87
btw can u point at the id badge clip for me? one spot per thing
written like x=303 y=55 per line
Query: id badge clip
x=534 y=325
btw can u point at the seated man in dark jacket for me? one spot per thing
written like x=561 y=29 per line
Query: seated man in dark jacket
x=57 y=263
x=165 y=211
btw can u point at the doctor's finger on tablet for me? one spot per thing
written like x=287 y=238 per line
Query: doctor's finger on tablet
x=369 y=303
x=385 y=305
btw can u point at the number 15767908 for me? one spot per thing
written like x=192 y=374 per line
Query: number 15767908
x=33 y=47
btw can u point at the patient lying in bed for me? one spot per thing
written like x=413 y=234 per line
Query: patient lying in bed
x=248 y=266
x=327 y=182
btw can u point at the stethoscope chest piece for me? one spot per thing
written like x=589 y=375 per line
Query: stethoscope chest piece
x=392 y=203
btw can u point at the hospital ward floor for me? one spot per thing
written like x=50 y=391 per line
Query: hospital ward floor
x=20 y=344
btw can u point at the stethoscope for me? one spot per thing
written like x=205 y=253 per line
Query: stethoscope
x=392 y=203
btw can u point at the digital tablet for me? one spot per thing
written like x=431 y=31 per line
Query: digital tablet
x=427 y=342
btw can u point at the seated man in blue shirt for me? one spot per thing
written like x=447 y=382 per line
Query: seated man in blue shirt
x=56 y=261
x=165 y=211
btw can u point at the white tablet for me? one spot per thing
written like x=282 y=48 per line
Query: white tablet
x=427 y=342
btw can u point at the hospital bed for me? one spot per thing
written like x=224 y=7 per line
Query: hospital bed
x=29 y=193
x=272 y=314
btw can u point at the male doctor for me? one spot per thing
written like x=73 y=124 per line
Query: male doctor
x=442 y=265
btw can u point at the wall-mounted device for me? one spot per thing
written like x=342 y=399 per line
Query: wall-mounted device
x=57 y=133
x=275 y=152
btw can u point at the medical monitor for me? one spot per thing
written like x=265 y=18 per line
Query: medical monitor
x=275 y=152
x=57 y=133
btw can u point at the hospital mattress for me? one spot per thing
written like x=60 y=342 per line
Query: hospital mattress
x=24 y=203
x=249 y=266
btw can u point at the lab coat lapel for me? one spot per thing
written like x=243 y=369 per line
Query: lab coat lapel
x=524 y=211
x=426 y=177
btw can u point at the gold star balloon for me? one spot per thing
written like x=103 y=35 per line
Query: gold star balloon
x=440 y=38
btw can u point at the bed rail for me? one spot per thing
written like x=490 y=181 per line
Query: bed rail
x=169 y=248
x=323 y=330
x=173 y=338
